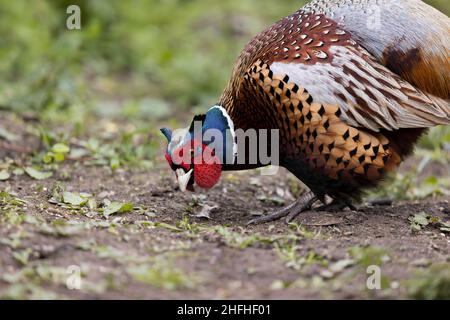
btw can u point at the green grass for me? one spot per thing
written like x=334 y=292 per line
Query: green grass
x=369 y=255
x=431 y=283
x=162 y=273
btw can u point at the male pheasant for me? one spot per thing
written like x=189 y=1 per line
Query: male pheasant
x=350 y=85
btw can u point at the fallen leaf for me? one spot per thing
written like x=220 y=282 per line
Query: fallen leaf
x=9 y=136
x=4 y=175
x=205 y=211
x=418 y=221
x=340 y=265
x=117 y=207
x=36 y=174
x=74 y=199
x=18 y=171
x=60 y=148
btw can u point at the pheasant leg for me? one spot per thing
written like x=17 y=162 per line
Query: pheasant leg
x=291 y=211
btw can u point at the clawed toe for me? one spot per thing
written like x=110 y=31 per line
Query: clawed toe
x=290 y=212
x=273 y=216
x=303 y=204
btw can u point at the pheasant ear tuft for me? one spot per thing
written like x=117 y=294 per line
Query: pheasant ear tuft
x=197 y=118
x=167 y=133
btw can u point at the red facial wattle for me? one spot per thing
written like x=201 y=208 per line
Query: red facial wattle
x=169 y=159
x=206 y=166
x=207 y=169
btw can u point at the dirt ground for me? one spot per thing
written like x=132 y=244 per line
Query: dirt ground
x=164 y=249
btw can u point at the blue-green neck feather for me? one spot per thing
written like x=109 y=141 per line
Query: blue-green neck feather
x=216 y=119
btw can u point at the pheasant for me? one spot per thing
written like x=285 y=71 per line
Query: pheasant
x=349 y=85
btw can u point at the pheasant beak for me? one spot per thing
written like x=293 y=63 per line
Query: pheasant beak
x=183 y=178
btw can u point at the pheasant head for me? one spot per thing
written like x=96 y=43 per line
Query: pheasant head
x=198 y=153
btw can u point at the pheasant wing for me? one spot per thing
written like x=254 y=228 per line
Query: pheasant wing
x=324 y=60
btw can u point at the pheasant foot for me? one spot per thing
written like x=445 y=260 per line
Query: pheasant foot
x=291 y=211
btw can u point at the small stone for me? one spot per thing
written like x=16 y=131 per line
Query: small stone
x=421 y=262
x=256 y=213
x=205 y=211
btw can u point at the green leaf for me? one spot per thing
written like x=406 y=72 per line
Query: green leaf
x=36 y=174
x=117 y=207
x=5 y=134
x=431 y=180
x=48 y=158
x=4 y=175
x=445 y=224
x=421 y=219
x=445 y=229
x=59 y=157
x=18 y=171
x=22 y=256
x=114 y=163
x=74 y=199
x=92 y=204
x=415 y=227
x=60 y=148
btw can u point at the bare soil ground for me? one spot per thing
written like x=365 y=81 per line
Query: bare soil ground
x=161 y=249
